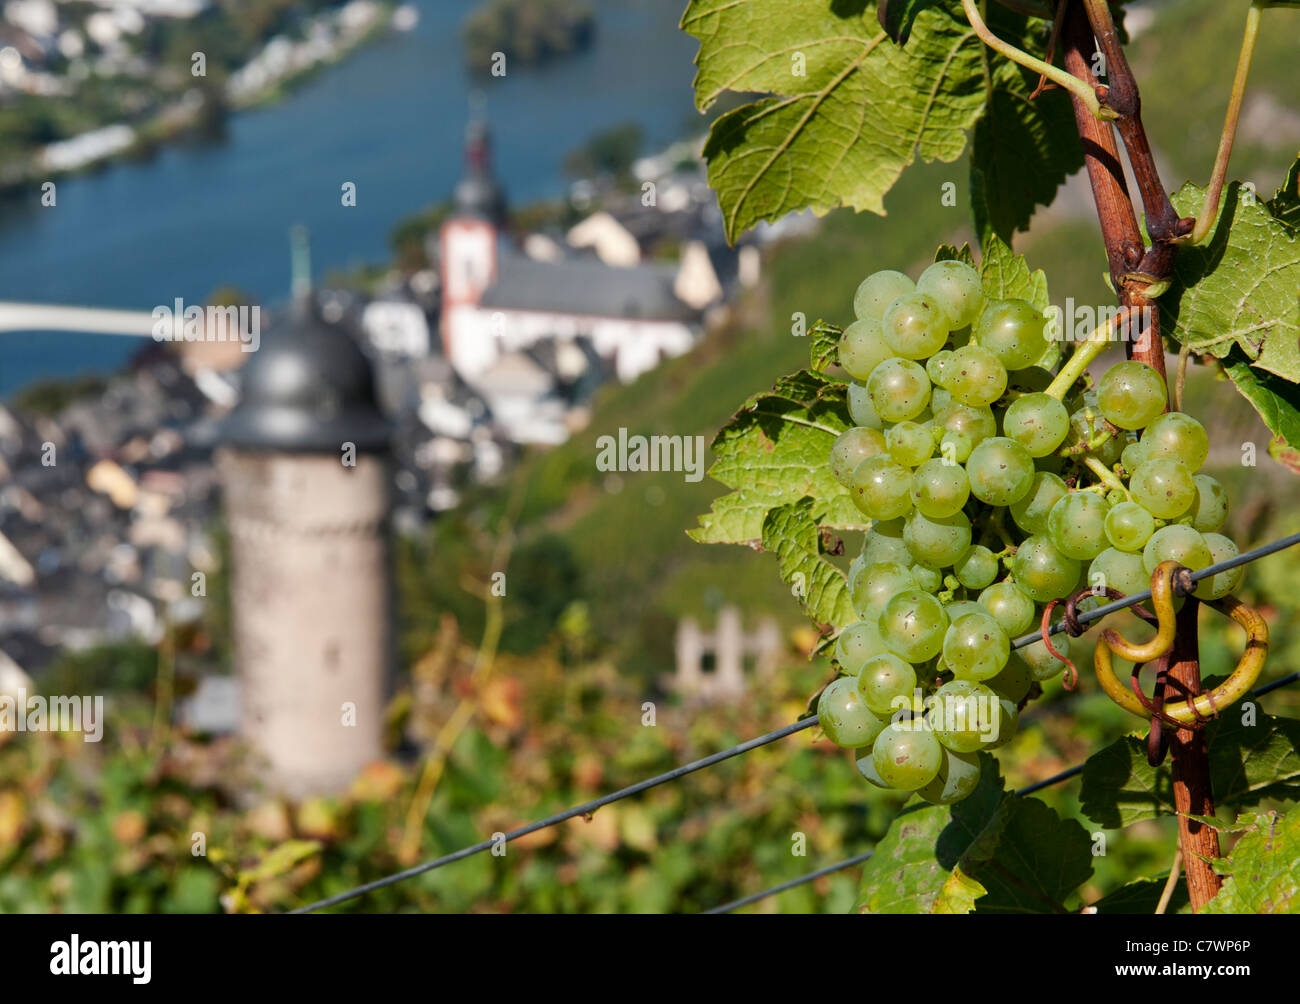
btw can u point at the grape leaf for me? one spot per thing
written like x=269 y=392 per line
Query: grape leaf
x=1006 y=275
x=896 y=16
x=821 y=589
x=1263 y=869
x=1285 y=204
x=774 y=452
x=1021 y=152
x=1241 y=288
x=1120 y=788
x=995 y=850
x=1276 y=401
x=824 y=350
x=844 y=110
x=1247 y=763
x=1142 y=896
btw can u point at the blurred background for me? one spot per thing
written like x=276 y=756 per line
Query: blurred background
x=509 y=259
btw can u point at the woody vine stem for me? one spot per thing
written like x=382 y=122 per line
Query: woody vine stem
x=1138 y=272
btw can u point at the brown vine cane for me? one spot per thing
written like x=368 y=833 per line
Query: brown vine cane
x=1157 y=738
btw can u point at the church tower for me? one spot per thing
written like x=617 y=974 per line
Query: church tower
x=468 y=243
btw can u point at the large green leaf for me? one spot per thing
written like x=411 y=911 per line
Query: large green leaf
x=1247 y=763
x=774 y=452
x=846 y=110
x=995 y=850
x=1021 y=153
x=1263 y=868
x=821 y=589
x=1241 y=288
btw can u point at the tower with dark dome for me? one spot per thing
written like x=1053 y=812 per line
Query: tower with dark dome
x=305 y=477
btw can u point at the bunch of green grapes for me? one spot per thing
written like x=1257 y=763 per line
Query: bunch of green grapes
x=991 y=490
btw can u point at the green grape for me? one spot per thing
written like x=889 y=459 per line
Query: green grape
x=906 y=756
x=974 y=376
x=1010 y=606
x=960 y=608
x=845 y=717
x=1042 y=664
x=881 y=488
x=1014 y=331
x=939 y=489
x=851 y=448
x=956 y=447
x=899 y=390
x=1001 y=471
x=1179 y=543
x=855 y=569
x=959 y=775
x=1178 y=436
x=939 y=398
x=1042 y=571
x=976 y=568
x=1086 y=427
x=1209 y=507
x=909 y=443
x=1031 y=512
x=1120 y=570
x=913 y=624
x=867 y=768
x=915 y=326
x=937 y=543
x=877 y=584
x=1131 y=394
x=885 y=680
x=856 y=644
x=1014 y=681
x=863 y=348
x=1163 y=487
x=976 y=647
x=1129 y=526
x=1132 y=456
x=884 y=542
x=1077 y=525
x=978 y=423
x=957 y=288
x=1221 y=583
x=860 y=409
x=1038 y=422
x=934 y=367
x=964 y=715
x=929 y=579
x=877 y=291
x=1008 y=722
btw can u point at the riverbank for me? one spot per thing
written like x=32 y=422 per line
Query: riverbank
x=275 y=69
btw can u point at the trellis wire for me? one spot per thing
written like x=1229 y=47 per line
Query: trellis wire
x=1243 y=558
x=858 y=859
x=804 y=723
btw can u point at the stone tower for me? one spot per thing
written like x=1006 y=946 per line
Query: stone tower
x=304 y=471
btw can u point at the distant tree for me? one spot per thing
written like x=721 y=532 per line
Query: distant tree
x=610 y=152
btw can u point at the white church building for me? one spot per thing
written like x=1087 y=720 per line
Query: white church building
x=498 y=300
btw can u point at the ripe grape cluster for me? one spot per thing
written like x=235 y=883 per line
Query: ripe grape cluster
x=991 y=491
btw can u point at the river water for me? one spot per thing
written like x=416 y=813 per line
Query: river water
x=390 y=118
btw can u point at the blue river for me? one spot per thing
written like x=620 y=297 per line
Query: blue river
x=390 y=118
